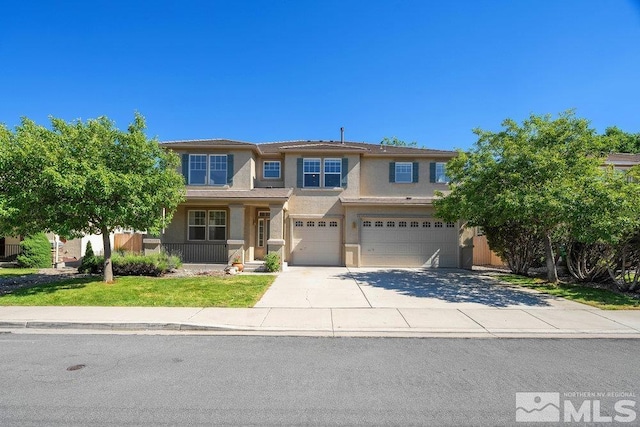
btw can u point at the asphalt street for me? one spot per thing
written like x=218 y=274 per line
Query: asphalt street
x=179 y=380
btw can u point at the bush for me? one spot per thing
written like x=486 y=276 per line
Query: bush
x=36 y=252
x=272 y=262
x=90 y=264
x=144 y=265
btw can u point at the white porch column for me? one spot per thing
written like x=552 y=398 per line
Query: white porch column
x=235 y=244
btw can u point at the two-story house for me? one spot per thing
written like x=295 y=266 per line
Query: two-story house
x=314 y=203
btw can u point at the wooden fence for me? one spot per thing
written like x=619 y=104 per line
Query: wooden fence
x=130 y=242
x=482 y=255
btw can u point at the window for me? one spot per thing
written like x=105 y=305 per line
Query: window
x=332 y=172
x=333 y=223
x=208 y=169
x=197 y=169
x=404 y=172
x=441 y=175
x=402 y=224
x=414 y=224
x=217 y=225
x=197 y=225
x=311 y=169
x=299 y=223
x=322 y=224
x=214 y=221
x=451 y=225
x=311 y=224
x=391 y=223
x=379 y=223
x=366 y=224
x=437 y=224
x=426 y=224
x=271 y=169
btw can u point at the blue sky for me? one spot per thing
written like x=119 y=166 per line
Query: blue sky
x=257 y=71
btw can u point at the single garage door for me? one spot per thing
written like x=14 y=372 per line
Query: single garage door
x=316 y=242
x=408 y=242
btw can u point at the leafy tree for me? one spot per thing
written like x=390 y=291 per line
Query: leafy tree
x=88 y=178
x=397 y=142
x=524 y=176
x=622 y=142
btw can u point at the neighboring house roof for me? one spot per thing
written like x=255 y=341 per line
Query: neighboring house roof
x=256 y=193
x=313 y=146
x=623 y=159
x=395 y=201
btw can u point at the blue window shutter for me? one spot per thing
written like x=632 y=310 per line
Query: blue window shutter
x=230 y=169
x=185 y=168
x=415 y=172
x=392 y=172
x=300 y=181
x=432 y=172
x=345 y=172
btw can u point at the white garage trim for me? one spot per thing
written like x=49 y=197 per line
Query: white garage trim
x=316 y=241
x=408 y=242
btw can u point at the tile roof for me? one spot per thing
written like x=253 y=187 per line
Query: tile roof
x=207 y=143
x=256 y=193
x=623 y=159
x=363 y=147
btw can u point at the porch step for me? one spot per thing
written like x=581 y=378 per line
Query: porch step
x=254 y=266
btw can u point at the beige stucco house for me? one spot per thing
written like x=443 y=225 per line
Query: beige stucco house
x=314 y=203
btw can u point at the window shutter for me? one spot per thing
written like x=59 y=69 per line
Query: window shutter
x=185 y=168
x=392 y=171
x=415 y=172
x=432 y=172
x=345 y=171
x=230 y=169
x=300 y=181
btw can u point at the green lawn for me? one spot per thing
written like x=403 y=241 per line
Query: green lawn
x=15 y=272
x=601 y=298
x=197 y=291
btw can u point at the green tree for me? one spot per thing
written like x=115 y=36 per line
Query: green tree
x=88 y=178
x=622 y=142
x=36 y=252
x=524 y=176
x=397 y=142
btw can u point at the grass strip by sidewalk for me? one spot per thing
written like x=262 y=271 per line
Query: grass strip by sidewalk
x=596 y=297
x=197 y=291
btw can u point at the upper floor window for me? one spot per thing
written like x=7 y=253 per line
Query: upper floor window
x=317 y=173
x=212 y=169
x=332 y=172
x=311 y=170
x=440 y=173
x=404 y=172
x=271 y=169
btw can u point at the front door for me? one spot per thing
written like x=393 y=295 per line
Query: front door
x=262 y=234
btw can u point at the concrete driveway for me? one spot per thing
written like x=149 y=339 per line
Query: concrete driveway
x=341 y=287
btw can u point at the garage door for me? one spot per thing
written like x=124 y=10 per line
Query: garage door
x=316 y=242
x=408 y=242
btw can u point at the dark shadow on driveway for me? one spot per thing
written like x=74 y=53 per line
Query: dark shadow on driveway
x=449 y=285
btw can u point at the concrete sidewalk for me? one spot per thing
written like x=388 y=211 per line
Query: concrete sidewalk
x=405 y=322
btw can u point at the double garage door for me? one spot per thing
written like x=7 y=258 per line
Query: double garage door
x=317 y=242
x=408 y=242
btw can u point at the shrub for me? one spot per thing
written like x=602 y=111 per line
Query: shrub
x=272 y=262
x=90 y=264
x=36 y=252
x=144 y=265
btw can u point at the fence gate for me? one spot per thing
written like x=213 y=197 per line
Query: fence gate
x=128 y=242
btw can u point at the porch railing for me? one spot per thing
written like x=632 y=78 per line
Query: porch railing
x=9 y=252
x=198 y=253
